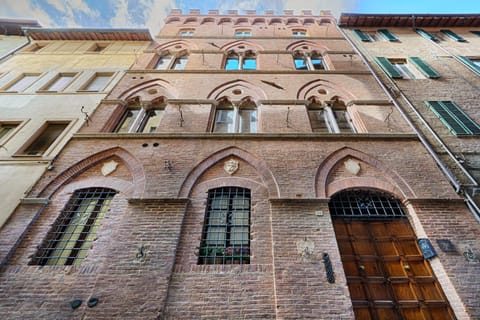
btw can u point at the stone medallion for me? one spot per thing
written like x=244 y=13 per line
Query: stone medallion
x=230 y=166
x=109 y=167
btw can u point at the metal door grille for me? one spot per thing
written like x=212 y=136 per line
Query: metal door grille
x=365 y=204
x=74 y=230
x=226 y=231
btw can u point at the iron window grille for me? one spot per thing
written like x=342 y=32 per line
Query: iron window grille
x=226 y=231
x=365 y=204
x=75 y=229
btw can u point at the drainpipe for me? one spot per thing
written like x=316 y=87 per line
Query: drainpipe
x=458 y=187
x=11 y=52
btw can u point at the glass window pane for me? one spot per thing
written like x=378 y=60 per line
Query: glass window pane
x=98 y=83
x=45 y=139
x=127 y=121
x=60 y=83
x=162 y=63
x=343 y=121
x=404 y=70
x=249 y=64
x=317 y=63
x=216 y=236
x=231 y=64
x=151 y=121
x=180 y=63
x=224 y=121
x=248 y=120
x=22 y=83
x=300 y=64
x=239 y=236
x=317 y=121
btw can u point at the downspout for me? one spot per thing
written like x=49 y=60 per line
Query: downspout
x=458 y=187
x=11 y=52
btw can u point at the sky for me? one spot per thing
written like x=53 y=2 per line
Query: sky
x=151 y=13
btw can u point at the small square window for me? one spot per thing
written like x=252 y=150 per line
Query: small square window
x=98 y=47
x=243 y=33
x=98 y=82
x=22 y=83
x=6 y=129
x=45 y=138
x=186 y=32
x=299 y=33
x=60 y=82
x=35 y=47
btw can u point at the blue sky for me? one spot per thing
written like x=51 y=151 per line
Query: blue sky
x=150 y=13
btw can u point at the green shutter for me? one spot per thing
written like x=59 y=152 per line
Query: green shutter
x=472 y=66
x=476 y=32
x=426 y=35
x=453 y=35
x=388 y=35
x=424 y=67
x=385 y=64
x=454 y=118
x=361 y=35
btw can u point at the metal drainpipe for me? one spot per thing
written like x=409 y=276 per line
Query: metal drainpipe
x=458 y=187
x=11 y=52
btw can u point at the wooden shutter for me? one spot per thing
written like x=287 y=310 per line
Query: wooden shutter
x=472 y=66
x=388 y=35
x=361 y=35
x=453 y=35
x=385 y=64
x=424 y=67
x=454 y=118
x=426 y=35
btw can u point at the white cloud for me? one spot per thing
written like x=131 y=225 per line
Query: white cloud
x=70 y=10
x=122 y=17
x=24 y=9
x=155 y=13
x=335 y=6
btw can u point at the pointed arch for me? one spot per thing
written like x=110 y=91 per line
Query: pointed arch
x=177 y=45
x=249 y=45
x=311 y=45
x=133 y=164
x=260 y=166
x=395 y=184
x=325 y=90
x=149 y=91
x=228 y=90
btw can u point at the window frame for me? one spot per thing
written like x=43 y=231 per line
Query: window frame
x=243 y=33
x=308 y=59
x=171 y=61
x=139 y=121
x=329 y=117
x=222 y=211
x=186 y=32
x=22 y=152
x=12 y=83
x=80 y=218
x=17 y=124
x=237 y=119
x=86 y=86
x=299 y=33
x=48 y=87
x=241 y=57
x=98 y=47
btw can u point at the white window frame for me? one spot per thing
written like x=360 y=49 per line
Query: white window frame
x=307 y=57
x=405 y=69
x=328 y=115
x=240 y=57
x=172 y=62
x=138 y=124
x=299 y=33
x=236 y=108
x=186 y=32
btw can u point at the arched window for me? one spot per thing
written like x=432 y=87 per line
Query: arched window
x=168 y=61
x=141 y=120
x=308 y=61
x=241 y=61
x=226 y=230
x=73 y=232
x=330 y=117
x=236 y=118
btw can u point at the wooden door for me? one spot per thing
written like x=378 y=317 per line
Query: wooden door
x=387 y=276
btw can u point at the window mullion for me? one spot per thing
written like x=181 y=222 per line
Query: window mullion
x=236 y=118
x=309 y=63
x=330 y=117
x=135 y=127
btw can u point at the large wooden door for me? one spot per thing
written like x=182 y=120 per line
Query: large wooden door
x=387 y=276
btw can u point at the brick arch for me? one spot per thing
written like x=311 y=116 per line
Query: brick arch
x=248 y=90
x=145 y=91
x=249 y=45
x=132 y=163
x=116 y=184
x=185 y=44
x=333 y=90
x=396 y=185
x=264 y=172
x=297 y=45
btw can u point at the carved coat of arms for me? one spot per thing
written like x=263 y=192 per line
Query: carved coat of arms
x=230 y=166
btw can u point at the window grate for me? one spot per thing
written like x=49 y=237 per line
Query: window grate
x=226 y=231
x=71 y=236
x=365 y=204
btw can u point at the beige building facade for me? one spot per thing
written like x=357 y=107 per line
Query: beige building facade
x=47 y=91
